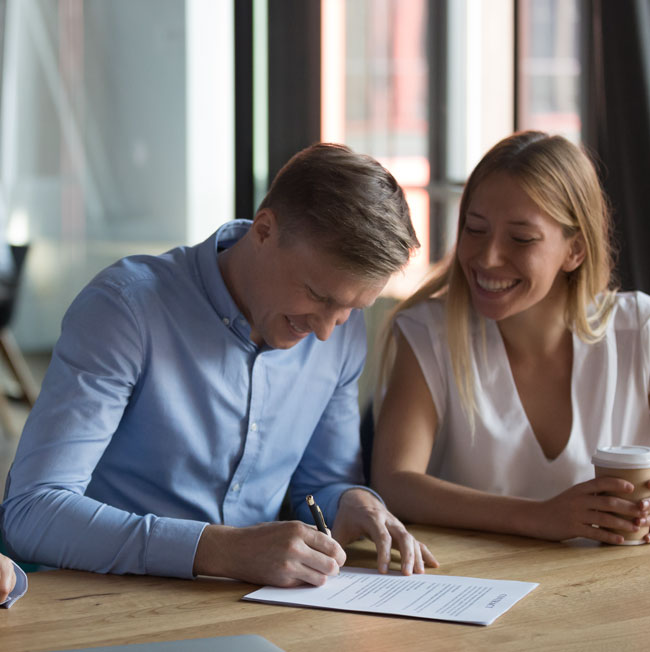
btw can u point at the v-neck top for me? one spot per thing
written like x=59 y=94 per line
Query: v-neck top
x=609 y=397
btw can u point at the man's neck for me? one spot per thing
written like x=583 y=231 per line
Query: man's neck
x=235 y=275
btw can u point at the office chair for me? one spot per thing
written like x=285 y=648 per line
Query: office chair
x=8 y=346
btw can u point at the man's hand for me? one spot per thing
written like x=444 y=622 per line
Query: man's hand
x=361 y=514
x=574 y=512
x=7 y=578
x=286 y=553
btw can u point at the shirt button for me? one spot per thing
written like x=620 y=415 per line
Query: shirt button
x=236 y=487
x=226 y=321
x=254 y=427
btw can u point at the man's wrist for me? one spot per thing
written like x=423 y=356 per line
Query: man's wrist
x=213 y=551
x=360 y=493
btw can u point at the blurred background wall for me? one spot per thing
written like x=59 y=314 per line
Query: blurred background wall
x=137 y=125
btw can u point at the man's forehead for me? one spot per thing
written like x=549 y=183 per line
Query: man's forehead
x=329 y=277
x=348 y=290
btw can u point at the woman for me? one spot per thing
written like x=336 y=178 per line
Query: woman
x=516 y=360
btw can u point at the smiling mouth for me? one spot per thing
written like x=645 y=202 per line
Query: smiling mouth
x=494 y=285
x=296 y=328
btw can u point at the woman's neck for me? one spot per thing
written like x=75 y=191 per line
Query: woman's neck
x=541 y=330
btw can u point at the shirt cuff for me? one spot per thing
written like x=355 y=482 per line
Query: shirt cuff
x=172 y=546
x=328 y=500
x=19 y=590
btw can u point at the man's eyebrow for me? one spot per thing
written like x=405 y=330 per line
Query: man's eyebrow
x=351 y=306
x=332 y=300
x=366 y=305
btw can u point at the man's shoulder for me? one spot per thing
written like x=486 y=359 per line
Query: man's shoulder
x=144 y=270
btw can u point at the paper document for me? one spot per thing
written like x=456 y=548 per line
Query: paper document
x=438 y=597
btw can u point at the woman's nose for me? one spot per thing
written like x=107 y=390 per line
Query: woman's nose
x=492 y=253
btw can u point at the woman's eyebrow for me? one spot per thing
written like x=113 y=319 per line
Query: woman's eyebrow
x=515 y=222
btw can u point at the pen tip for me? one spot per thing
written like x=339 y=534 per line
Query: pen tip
x=310 y=500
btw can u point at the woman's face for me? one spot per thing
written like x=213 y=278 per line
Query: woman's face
x=512 y=253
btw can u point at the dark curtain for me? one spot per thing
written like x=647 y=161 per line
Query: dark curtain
x=617 y=124
x=294 y=79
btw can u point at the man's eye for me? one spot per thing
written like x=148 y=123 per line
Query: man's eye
x=316 y=297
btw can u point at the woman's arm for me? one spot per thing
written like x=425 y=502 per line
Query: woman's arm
x=404 y=438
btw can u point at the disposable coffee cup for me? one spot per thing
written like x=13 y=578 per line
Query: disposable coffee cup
x=632 y=463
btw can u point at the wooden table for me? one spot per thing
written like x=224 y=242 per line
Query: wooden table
x=591 y=597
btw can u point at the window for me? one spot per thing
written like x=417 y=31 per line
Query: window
x=428 y=86
x=549 y=67
x=115 y=118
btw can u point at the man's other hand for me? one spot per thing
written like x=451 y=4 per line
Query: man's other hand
x=361 y=514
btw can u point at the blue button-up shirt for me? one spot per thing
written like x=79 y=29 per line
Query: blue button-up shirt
x=158 y=415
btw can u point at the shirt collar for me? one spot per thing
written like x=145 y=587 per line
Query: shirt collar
x=212 y=279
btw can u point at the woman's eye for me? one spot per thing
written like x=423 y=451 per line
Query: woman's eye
x=522 y=240
x=473 y=230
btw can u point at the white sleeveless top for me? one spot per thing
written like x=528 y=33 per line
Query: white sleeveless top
x=609 y=395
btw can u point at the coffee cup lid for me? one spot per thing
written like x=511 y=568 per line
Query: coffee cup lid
x=622 y=457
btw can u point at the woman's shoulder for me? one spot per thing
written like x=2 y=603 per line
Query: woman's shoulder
x=631 y=311
x=424 y=311
x=423 y=324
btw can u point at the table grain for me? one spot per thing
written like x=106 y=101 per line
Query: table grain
x=591 y=597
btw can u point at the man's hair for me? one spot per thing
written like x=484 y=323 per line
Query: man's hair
x=348 y=205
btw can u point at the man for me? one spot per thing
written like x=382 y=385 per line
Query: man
x=13 y=582
x=188 y=391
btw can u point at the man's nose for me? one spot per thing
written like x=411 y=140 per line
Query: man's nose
x=325 y=323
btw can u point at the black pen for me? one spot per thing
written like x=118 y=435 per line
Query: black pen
x=317 y=515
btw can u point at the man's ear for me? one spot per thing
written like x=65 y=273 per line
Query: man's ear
x=265 y=227
x=576 y=255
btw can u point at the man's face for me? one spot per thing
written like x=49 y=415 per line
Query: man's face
x=297 y=290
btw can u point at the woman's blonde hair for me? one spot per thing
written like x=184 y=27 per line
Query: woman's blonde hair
x=561 y=179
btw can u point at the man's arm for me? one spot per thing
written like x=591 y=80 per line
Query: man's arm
x=46 y=516
x=331 y=471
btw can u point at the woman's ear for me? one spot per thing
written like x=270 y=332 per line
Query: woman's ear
x=577 y=253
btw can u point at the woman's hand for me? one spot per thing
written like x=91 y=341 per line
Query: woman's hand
x=576 y=511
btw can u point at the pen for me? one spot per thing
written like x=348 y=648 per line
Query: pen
x=317 y=515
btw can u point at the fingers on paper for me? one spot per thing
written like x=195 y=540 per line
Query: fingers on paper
x=427 y=557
